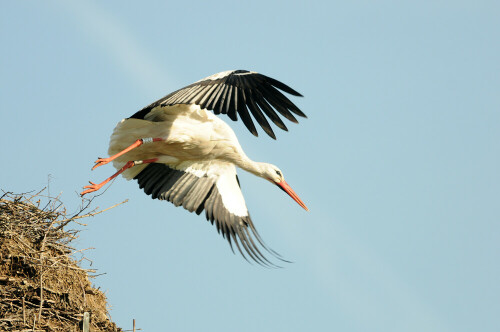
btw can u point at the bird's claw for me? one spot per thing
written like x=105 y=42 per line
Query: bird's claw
x=91 y=188
x=100 y=162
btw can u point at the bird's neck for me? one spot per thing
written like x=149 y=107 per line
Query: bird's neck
x=251 y=166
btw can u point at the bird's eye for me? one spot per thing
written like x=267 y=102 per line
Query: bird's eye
x=279 y=173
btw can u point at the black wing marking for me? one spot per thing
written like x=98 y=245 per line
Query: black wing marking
x=196 y=194
x=237 y=92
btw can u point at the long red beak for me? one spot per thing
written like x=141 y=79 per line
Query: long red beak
x=286 y=188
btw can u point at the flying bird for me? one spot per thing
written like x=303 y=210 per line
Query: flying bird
x=179 y=151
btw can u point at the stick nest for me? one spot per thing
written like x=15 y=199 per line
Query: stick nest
x=42 y=286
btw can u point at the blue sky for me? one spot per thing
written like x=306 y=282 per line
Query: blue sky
x=398 y=161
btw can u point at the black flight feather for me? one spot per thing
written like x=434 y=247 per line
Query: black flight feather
x=196 y=194
x=237 y=92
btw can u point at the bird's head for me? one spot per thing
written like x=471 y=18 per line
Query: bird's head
x=275 y=175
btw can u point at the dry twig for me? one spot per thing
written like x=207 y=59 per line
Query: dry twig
x=42 y=287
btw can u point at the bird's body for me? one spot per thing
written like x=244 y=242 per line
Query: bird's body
x=179 y=151
x=191 y=135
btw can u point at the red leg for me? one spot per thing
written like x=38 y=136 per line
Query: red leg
x=94 y=187
x=139 y=142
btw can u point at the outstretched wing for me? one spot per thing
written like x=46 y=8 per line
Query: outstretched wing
x=236 y=92
x=213 y=187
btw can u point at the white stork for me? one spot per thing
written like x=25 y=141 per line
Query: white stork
x=180 y=152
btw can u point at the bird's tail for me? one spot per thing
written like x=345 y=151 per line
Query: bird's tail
x=125 y=134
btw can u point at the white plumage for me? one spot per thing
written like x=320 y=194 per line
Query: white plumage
x=179 y=151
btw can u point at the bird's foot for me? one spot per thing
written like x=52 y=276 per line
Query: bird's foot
x=92 y=187
x=101 y=162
